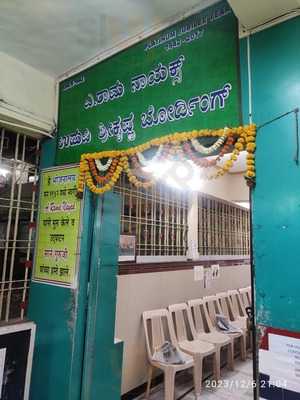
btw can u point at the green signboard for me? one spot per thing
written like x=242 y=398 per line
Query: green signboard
x=58 y=227
x=184 y=78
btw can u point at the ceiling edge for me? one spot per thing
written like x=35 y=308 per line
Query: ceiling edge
x=244 y=32
x=134 y=40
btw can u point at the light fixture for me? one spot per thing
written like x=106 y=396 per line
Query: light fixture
x=4 y=171
x=244 y=204
x=158 y=169
x=182 y=175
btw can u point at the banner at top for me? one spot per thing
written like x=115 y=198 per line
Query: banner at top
x=184 y=78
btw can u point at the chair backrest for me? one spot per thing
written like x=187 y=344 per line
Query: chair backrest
x=238 y=308
x=181 y=319
x=245 y=298
x=213 y=307
x=158 y=329
x=249 y=294
x=225 y=304
x=201 y=321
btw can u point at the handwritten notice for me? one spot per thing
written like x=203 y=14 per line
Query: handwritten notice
x=58 y=227
x=198 y=273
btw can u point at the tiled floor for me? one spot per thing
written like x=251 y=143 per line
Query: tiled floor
x=235 y=385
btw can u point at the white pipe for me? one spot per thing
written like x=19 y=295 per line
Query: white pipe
x=249 y=79
x=193 y=217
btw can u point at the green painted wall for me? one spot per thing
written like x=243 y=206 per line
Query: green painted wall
x=60 y=315
x=75 y=355
x=275 y=65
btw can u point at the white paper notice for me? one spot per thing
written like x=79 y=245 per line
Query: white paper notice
x=2 y=363
x=286 y=365
x=198 y=273
x=207 y=278
x=215 y=271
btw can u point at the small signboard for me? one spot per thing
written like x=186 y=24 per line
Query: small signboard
x=16 y=352
x=127 y=248
x=57 y=243
x=279 y=364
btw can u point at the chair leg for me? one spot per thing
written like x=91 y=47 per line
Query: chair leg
x=198 y=364
x=149 y=381
x=169 y=383
x=230 y=355
x=217 y=363
x=243 y=344
x=250 y=341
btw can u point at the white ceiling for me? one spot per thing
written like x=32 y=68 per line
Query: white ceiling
x=252 y=13
x=56 y=35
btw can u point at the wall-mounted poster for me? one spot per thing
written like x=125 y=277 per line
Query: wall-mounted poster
x=127 y=248
x=215 y=271
x=16 y=352
x=183 y=78
x=57 y=243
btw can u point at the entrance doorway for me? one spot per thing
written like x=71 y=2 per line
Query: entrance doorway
x=179 y=236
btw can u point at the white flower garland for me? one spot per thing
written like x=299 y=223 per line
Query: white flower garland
x=208 y=150
x=102 y=167
x=146 y=162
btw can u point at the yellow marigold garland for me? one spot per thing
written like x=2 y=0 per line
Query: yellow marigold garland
x=132 y=178
x=246 y=141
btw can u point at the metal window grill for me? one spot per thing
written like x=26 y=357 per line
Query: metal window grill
x=157 y=217
x=18 y=176
x=224 y=228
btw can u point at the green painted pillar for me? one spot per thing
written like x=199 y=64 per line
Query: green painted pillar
x=75 y=356
x=275 y=73
x=103 y=357
x=60 y=315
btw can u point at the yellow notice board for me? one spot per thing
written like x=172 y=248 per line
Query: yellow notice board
x=57 y=243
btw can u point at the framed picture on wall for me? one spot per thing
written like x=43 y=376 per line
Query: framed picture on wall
x=127 y=248
x=16 y=353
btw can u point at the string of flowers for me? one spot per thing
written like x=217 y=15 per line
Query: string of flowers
x=102 y=178
x=144 y=161
x=103 y=167
x=242 y=138
x=204 y=162
x=133 y=178
x=208 y=150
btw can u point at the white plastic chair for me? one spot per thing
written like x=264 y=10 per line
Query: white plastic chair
x=198 y=349
x=238 y=310
x=246 y=296
x=201 y=327
x=249 y=293
x=225 y=304
x=158 y=329
x=213 y=307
